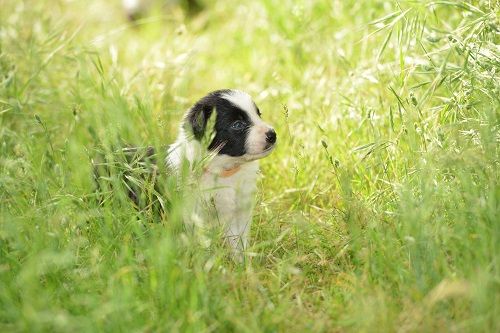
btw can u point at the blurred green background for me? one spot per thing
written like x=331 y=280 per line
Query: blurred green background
x=378 y=212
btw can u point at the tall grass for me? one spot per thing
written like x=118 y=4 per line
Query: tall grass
x=378 y=211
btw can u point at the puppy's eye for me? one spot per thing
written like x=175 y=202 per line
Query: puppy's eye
x=238 y=125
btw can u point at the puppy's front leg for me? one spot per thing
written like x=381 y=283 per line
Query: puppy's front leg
x=236 y=224
x=237 y=232
x=233 y=200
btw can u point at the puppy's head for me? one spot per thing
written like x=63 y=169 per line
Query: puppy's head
x=237 y=129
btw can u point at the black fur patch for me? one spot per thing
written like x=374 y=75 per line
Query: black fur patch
x=228 y=138
x=135 y=168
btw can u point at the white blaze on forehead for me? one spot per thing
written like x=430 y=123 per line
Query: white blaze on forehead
x=243 y=101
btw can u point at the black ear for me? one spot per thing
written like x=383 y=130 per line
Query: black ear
x=199 y=114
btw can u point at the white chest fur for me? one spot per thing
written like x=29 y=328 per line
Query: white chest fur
x=233 y=199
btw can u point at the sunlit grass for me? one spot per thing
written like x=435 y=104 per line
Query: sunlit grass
x=377 y=212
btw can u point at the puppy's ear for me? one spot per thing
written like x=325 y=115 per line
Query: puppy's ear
x=198 y=116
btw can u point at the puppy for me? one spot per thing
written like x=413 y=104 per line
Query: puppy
x=235 y=141
x=221 y=140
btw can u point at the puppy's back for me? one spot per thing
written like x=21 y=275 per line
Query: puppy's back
x=133 y=169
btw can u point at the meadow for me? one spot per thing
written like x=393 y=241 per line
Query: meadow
x=377 y=212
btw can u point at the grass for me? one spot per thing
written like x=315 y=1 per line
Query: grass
x=377 y=212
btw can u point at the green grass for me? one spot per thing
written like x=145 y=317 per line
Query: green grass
x=378 y=211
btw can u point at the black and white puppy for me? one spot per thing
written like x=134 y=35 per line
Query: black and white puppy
x=238 y=139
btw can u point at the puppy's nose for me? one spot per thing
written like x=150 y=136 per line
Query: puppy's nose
x=271 y=136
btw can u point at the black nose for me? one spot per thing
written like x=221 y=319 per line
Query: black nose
x=271 y=136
